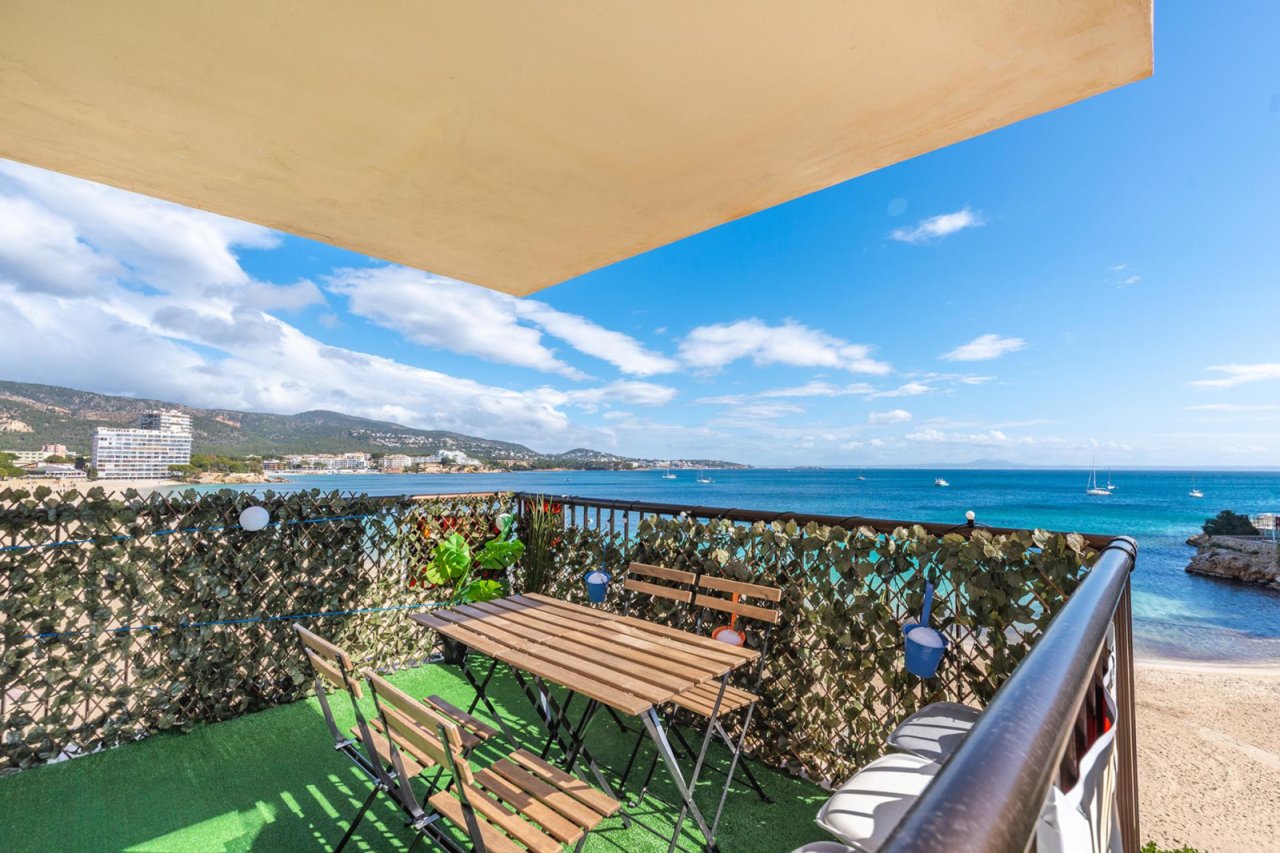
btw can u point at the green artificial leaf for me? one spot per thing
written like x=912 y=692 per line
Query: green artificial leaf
x=497 y=555
x=480 y=590
x=450 y=560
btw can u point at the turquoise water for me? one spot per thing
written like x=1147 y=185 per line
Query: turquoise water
x=1176 y=615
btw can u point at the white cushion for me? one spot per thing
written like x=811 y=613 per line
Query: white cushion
x=824 y=847
x=868 y=806
x=934 y=731
x=1084 y=819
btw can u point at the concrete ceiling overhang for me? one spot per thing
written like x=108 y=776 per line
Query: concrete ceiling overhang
x=518 y=144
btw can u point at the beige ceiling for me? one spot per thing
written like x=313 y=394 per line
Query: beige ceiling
x=517 y=144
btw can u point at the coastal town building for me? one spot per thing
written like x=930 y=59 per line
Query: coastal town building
x=55 y=471
x=335 y=463
x=160 y=440
x=31 y=457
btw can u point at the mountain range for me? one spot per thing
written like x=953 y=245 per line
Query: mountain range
x=33 y=415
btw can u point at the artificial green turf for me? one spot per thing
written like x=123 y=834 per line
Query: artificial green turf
x=272 y=781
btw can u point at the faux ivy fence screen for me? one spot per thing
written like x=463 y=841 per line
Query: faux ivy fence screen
x=125 y=615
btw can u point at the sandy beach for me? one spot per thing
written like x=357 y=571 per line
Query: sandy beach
x=1209 y=755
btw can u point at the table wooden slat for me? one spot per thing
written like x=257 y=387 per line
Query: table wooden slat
x=626 y=663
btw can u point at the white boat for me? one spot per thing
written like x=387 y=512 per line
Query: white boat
x=1195 y=491
x=860 y=477
x=938 y=481
x=1111 y=487
x=703 y=478
x=668 y=475
x=1093 y=488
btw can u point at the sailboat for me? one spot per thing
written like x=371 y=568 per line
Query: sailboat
x=1093 y=488
x=703 y=478
x=668 y=475
x=1195 y=492
x=1111 y=487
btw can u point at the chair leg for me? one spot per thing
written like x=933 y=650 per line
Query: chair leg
x=368 y=801
x=631 y=762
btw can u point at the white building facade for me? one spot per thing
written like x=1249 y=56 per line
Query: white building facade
x=161 y=439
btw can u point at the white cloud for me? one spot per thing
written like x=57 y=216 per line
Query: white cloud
x=809 y=389
x=441 y=312
x=622 y=351
x=622 y=391
x=1133 y=279
x=934 y=436
x=1239 y=374
x=171 y=248
x=1235 y=407
x=985 y=348
x=893 y=416
x=910 y=389
x=791 y=343
x=937 y=227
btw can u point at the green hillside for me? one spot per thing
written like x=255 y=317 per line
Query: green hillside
x=32 y=415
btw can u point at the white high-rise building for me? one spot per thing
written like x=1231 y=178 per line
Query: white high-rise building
x=160 y=440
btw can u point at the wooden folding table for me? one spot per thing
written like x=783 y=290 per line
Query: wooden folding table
x=621 y=662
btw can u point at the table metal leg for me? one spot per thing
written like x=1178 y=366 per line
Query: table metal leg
x=482 y=696
x=653 y=723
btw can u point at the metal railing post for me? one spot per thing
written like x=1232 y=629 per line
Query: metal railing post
x=1126 y=733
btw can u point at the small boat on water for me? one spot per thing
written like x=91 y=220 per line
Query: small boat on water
x=1195 y=491
x=703 y=478
x=1111 y=487
x=1093 y=488
x=938 y=481
x=860 y=477
x=668 y=475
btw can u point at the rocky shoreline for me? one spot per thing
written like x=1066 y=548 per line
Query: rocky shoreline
x=1252 y=559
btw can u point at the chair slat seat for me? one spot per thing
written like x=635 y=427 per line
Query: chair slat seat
x=701 y=700
x=526 y=800
x=481 y=730
x=519 y=804
x=494 y=839
x=598 y=801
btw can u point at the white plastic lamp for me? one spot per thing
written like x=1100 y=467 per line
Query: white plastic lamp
x=254 y=518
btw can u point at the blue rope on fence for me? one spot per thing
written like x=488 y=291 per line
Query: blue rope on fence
x=123 y=536
x=127 y=629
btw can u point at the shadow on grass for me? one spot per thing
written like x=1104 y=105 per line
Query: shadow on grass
x=272 y=781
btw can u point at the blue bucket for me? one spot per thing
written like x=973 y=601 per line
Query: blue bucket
x=923 y=659
x=597 y=581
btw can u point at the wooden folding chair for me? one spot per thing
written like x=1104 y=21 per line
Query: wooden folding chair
x=699 y=703
x=518 y=803
x=367 y=745
x=659 y=582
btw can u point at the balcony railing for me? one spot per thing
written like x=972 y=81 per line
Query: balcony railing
x=128 y=615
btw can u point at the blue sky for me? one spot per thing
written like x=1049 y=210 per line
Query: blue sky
x=1098 y=280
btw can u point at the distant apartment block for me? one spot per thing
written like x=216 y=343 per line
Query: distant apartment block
x=322 y=462
x=160 y=440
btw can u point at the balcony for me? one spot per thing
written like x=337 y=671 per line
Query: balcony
x=155 y=633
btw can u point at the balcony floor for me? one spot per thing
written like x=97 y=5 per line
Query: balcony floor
x=271 y=781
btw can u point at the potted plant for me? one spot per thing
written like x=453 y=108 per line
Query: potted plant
x=454 y=564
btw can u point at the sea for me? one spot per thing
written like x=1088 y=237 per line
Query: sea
x=1177 y=616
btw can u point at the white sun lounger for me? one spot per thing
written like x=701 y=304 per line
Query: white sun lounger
x=934 y=732
x=869 y=805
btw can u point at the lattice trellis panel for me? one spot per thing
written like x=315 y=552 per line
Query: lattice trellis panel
x=835 y=684
x=121 y=615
